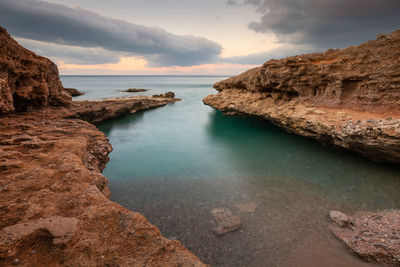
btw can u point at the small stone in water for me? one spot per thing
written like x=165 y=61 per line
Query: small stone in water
x=227 y=222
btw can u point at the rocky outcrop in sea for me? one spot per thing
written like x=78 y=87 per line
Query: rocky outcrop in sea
x=54 y=202
x=349 y=98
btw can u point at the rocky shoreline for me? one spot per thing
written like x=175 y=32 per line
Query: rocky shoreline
x=347 y=98
x=54 y=202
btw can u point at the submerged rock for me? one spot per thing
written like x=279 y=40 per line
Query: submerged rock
x=340 y=218
x=339 y=97
x=374 y=236
x=73 y=91
x=249 y=207
x=227 y=222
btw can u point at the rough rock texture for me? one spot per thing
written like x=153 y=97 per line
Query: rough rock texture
x=54 y=202
x=73 y=91
x=27 y=80
x=373 y=236
x=54 y=205
x=349 y=98
x=226 y=220
x=97 y=111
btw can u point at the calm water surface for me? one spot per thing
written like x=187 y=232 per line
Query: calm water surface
x=174 y=164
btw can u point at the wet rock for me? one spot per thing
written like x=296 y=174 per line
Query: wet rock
x=340 y=218
x=249 y=207
x=227 y=222
x=73 y=91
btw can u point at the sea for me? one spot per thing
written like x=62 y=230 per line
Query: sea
x=175 y=164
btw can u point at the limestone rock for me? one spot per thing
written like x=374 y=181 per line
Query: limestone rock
x=227 y=222
x=61 y=229
x=166 y=95
x=98 y=111
x=27 y=81
x=54 y=202
x=339 y=97
x=374 y=236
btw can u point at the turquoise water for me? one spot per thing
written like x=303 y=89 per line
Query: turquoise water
x=176 y=163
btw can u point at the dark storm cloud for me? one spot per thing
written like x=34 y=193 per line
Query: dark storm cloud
x=329 y=23
x=42 y=21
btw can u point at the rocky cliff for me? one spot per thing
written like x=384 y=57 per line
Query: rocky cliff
x=349 y=97
x=54 y=202
x=27 y=80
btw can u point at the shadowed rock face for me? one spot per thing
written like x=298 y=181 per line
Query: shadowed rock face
x=349 y=98
x=27 y=80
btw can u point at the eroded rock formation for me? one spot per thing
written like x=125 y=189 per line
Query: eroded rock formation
x=54 y=202
x=349 y=97
x=27 y=80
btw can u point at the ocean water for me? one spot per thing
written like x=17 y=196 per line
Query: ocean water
x=174 y=164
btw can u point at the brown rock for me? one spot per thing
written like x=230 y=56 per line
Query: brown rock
x=374 y=236
x=340 y=218
x=166 y=95
x=54 y=201
x=227 y=222
x=339 y=97
x=98 y=111
x=27 y=80
x=73 y=91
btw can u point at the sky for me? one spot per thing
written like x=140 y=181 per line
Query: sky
x=189 y=37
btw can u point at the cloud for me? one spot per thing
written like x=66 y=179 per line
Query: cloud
x=71 y=54
x=275 y=53
x=47 y=22
x=324 y=24
x=232 y=3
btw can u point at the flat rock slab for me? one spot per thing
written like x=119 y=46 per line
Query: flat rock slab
x=61 y=229
x=227 y=222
